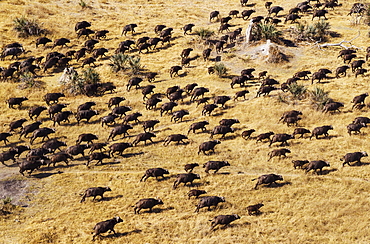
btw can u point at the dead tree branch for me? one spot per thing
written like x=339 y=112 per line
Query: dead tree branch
x=340 y=44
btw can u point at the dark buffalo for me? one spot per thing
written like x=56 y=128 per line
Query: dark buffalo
x=185 y=178
x=94 y=192
x=154 y=172
x=223 y=220
x=267 y=179
x=353 y=157
x=315 y=165
x=208 y=202
x=215 y=165
x=105 y=226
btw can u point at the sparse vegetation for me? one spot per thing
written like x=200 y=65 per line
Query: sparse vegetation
x=135 y=65
x=297 y=210
x=298 y=91
x=7 y=200
x=72 y=82
x=118 y=62
x=27 y=27
x=319 y=97
x=220 y=69
x=204 y=33
x=27 y=80
x=90 y=76
x=318 y=31
x=266 y=32
x=83 y=4
x=122 y=62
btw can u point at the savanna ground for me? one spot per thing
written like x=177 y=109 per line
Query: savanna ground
x=304 y=208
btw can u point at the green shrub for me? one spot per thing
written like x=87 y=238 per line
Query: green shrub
x=82 y=4
x=90 y=76
x=204 y=33
x=7 y=200
x=124 y=62
x=282 y=98
x=135 y=65
x=297 y=90
x=72 y=82
x=220 y=69
x=319 y=31
x=118 y=62
x=322 y=29
x=27 y=80
x=265 y=31
x=25 y=27
x=319 y=98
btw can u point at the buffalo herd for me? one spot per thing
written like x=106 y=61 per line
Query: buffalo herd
x=120 y=119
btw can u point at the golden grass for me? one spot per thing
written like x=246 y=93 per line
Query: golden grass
x=331 y=208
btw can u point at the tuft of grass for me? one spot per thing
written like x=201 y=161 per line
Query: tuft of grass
x=124 y=62
x=26 y=27
x=298 y=91
x=118 y=62
x=134 y=64
x=7 y=200
x=83 y=4
x=90 y=76
x=72 y=82
x=220 y=69
x=27 y=81
x=282 y=98
x=319 y=31
x=204 y=33
x=266 y=32
x=319 y=97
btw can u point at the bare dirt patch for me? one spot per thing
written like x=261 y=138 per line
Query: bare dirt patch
x=16 y=190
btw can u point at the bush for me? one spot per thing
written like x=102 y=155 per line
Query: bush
x=83 y=4
x=72 y=82
x=204 y=33
x=7 y=200
x=319 y=98
x=265 y=32
x=319 y=31
x=118 y=61
x=25 y=27
x=28 y=81
x=298 y=91
x=220 y=69
x=90 y=76
x=123 y=62
x=135 y=65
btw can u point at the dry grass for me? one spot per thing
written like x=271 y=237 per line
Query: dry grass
x=331 y=208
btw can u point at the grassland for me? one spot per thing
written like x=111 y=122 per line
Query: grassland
x=307 y=208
